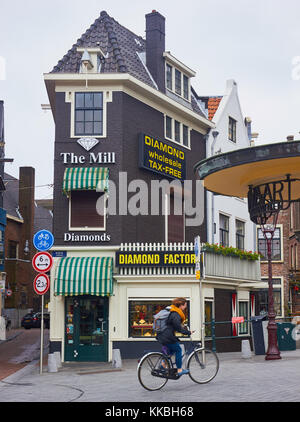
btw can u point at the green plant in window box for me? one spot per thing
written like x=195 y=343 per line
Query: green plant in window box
x=231 y=251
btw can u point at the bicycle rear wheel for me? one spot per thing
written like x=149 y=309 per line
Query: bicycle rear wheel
x=152 y=370
x=203 y=366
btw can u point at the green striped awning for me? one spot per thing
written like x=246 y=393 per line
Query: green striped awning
x=85 y=178
x=84 y=276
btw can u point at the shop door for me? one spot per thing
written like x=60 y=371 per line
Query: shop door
x=86 y=329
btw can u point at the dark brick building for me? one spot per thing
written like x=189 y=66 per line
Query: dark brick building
x=125 y=116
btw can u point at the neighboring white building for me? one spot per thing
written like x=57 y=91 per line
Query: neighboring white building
x=228 y=221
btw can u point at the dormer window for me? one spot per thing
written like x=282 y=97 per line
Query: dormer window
x=177 y=82
x=169 y=77
x=92 y=59
x=178 y=77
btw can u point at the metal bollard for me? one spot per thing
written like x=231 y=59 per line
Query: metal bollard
x=58 y=359
x=246 y=351
x=52 y=365
x=116 y=358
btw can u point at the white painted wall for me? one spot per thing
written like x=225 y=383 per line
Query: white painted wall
x=235 y=208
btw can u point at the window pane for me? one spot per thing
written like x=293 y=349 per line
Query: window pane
x=185 y=136
x=89 y=100
x=168 y=127
x=79 y=100
x=232 y=129
x=97 y=128
x=88 y=115
x=177 y=82
x=84 y=209
x=79 y=116
x=88 y=128
x=263 y=300
x=98 y=115
x=177 y=131
x=79 y=129
x=141 y=316
x=186 y=87
x=169 y=77
x=98 y=100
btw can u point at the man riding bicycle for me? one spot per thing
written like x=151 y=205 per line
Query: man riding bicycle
x=174 y=324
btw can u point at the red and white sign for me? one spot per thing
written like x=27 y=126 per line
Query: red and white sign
x=8 y=292
x=237 y=320
x=42 y=262
x=41 y=284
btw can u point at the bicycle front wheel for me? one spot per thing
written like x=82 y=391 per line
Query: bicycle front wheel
x=152 y=371
x=203 y=366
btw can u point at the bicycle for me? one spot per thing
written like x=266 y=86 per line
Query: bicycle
x=156 y=368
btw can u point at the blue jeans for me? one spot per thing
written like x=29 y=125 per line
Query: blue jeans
x=176 y=349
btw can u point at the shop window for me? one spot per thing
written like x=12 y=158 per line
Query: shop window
x=89 y=114
x=232 y=129
x=13 y=249
x=224 y=230
x=240 y=234
x=83 y=210
x=208 y=317
x=244 y=312
x=141 y=316
x=275 y=245
x=263 y=300
x=176 y=223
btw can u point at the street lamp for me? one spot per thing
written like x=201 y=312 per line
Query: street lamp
x=269 y=175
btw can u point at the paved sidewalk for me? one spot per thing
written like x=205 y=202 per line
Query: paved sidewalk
x=238 y=379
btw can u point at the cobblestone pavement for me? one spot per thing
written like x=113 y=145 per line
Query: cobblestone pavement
x=238 y=379
x=22 y=346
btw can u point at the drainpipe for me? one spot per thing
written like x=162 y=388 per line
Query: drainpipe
x=215 y=134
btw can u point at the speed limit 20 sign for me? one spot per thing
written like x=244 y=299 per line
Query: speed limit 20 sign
x=42 y=262
x=41 y=284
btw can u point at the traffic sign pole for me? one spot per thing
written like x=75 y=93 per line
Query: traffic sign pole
x=42 y=337
x=42 y=263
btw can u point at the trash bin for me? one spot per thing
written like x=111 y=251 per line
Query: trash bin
x=284 y=336
x=257 y=334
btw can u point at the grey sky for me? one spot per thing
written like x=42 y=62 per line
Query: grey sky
x=251 y=41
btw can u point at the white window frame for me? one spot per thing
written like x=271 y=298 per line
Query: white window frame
x=247 y=318
x=173 y=131
x=245 y=226
x=173 y=82
x=70 y=98
x=87 y=229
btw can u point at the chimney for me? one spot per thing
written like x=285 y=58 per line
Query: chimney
x=155 y=47
x=290 y=138
x=26 y=207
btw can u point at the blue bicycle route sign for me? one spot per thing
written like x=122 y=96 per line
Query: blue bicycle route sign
x=43 y=240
